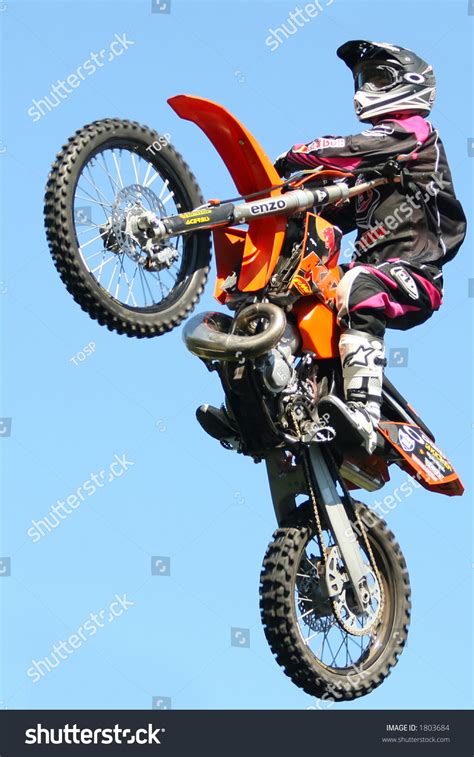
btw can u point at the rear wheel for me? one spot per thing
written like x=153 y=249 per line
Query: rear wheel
x=328 y=659
x=108 y=172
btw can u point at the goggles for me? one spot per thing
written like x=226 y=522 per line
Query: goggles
x=372 y=77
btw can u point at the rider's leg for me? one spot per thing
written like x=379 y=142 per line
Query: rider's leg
x=363 y=360
x=368 y=300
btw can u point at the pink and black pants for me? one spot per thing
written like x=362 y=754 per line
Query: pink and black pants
x=392 y=295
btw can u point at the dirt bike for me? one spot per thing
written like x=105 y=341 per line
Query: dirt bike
x=129 y=232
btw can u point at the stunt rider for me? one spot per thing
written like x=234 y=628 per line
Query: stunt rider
x=405 y=234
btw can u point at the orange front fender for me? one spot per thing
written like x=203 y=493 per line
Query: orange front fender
x=252 y=171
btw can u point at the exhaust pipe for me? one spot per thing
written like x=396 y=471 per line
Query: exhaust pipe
x=208 y=335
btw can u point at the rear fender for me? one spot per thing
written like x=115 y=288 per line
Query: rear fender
x=421 y=458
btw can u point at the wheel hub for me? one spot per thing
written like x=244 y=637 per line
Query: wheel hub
x=128 y=207
x=345 y=607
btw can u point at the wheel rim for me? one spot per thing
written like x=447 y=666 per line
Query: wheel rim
x=320 y=632
x=116 y=182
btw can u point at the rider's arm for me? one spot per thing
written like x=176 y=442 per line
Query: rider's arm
x=342 y=215
x=371 y=147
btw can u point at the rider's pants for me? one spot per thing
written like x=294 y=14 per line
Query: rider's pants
x=393 y=294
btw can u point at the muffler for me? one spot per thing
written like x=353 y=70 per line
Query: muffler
x=208 y=335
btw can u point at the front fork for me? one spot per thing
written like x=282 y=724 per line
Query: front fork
x=286 y=482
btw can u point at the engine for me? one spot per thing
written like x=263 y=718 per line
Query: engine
x=277 y=366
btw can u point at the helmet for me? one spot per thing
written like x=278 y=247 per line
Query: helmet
x=388 y=79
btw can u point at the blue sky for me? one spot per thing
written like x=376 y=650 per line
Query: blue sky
x=185 y=499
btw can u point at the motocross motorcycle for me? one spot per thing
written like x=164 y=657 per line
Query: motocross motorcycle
x=129 y=232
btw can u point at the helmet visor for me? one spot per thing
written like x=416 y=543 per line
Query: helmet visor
x=372 y=77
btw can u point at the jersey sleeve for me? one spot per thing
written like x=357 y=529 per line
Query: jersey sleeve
x=342 y=215
x=379 y=144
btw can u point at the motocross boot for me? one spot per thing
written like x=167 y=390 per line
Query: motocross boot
x=217 y=423
x=356 y=420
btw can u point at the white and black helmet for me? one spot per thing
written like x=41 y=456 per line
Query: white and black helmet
x=388 y=79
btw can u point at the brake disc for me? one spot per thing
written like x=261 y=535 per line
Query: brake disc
x=129 y=202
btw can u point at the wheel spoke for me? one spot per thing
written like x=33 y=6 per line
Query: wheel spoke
x=320 y=653
x=147 y=174
x=113 y=183
x=168 y=198
x=165 y=186
x=99 y=202
x=145 y=279
x=330 y=649
x=143 y=282
x=100 y=267
x=94 y=239
x=109 y=285
x=308 y=612
x=129 y=283
x=339 y=649
x=130 y=287
x=100 y=195
x=110 y=180
x=89 y=227
x=95 y=255
x=117 y=169
x=150 y=182
x=308 y=638
x=89 y=198
x=160 y=284
x=135 y=171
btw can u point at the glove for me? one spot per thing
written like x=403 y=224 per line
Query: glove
x=281 y=166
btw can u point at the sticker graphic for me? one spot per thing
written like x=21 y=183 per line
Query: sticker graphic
x=359 y=357
x=323 y=142
x=405 y=281
x=405 y=441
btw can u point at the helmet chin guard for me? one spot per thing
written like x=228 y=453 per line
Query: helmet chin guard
x=388 y=79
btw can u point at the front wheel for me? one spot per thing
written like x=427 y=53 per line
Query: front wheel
x=321 y=644
x=109 y=172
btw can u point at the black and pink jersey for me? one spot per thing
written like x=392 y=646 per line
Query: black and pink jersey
x=422 y=223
